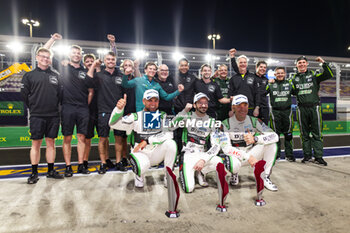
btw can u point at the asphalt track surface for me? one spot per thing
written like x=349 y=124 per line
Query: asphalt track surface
x=311 y=198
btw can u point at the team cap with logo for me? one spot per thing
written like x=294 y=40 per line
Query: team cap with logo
x=198 y=96
x=149 y=94
x=238 y=99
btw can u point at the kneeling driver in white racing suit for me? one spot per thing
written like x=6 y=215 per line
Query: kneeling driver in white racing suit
x=152 y=145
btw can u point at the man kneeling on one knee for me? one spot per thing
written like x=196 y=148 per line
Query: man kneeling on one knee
x=250 y=135
x=152 y=145
x=200 y=143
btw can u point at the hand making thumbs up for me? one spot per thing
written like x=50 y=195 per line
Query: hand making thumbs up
x=121 y=103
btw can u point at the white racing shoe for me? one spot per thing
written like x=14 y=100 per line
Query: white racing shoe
x=234 y=180
x=138 y=182
x=269 y=185
x=201 y=179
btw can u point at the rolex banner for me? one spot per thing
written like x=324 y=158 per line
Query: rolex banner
x=328 y=108
x=11 y=108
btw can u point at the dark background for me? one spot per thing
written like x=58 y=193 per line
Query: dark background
x=296 y=27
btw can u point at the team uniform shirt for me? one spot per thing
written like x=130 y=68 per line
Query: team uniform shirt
x=246 y=84
x=212 y=90
x=236 y=130
x=198 y=139
x=223 y=109
x=280 y=94
x=186 y=96
x=93 y=106
x=262 y=83
x=41 y=90
x=141 y=84
x=169 y=87
x=110 y=90
x=134 y=123
x=75 y=85
x=307 y=85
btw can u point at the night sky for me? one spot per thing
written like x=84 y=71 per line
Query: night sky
x=296 y=27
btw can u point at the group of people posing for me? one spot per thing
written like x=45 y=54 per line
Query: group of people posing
x=233 y=114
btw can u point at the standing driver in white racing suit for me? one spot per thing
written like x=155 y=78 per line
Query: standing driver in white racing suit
x=250 y=135
x=152 y=145
x=199 y=153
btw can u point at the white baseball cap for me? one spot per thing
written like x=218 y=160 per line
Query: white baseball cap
x=198 y=96
x=149 y=94
x=238 y=99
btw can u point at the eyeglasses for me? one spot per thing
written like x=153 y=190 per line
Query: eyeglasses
x=201 y=104
x=45 y=57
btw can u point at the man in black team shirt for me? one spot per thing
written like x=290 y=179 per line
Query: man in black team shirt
x=41 y=91
x=244 y=83
x=75 y=107
x=110 y=90
x=185 y=97
x=88 y=60
x=207 y=86
x=168 y=86
x=261 y=109
x=186 y=79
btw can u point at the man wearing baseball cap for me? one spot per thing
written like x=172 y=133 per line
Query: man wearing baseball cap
x=150 y=144
x=250 y=135
x=197 y=157
x=307 y=84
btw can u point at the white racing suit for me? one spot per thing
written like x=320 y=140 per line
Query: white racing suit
x=265 y=147
x=160 y=145
x=196 y=146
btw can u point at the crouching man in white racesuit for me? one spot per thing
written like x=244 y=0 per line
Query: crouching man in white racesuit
x=200 y=144
x=250 y=135
x=151 y=145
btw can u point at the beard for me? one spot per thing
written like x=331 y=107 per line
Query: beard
x=202 y=110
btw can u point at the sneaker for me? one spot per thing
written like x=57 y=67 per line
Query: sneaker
x=82 y=169
x=138 y=182
x=125 y=162
x=290 y=159
x=54 y=174
x=234 y=180
x=269 y=185
x=320 y=161
x=201 y=179
x=110 y=164
x=68 y=172
x=119 y=166
x=86 y=164
x=103 y=168
x=306 y=159
x=33 y=178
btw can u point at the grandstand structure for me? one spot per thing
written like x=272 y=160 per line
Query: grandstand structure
x=24 y=52
x=17 y=53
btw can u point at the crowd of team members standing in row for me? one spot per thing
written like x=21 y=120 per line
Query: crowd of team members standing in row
x=88 y=95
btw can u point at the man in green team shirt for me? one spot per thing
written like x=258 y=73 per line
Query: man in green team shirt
x=281 y=115
x=220 y=77
x=307 y=85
